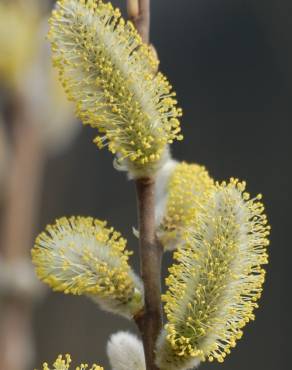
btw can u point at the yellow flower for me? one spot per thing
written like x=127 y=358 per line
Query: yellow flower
x=185 y=187
x=64 y=364
x=108 y=72
x=81 y=256
x=214 y=286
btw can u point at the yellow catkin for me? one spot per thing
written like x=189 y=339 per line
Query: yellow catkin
x=218 y=277
x=82 y=256
x=108 y=72
x=186 y=186
x=18 y=27
x=64 y=364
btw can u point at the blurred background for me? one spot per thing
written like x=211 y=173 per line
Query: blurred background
x=230 y=63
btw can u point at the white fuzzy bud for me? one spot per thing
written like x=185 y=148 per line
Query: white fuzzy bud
x=161 y=190
x=125 y=352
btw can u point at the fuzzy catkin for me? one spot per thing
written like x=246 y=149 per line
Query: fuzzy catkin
x=108 y=72
x=82 y=256
x=64 y=364
x=125 y=352
x=180 y=186
x=218 y=277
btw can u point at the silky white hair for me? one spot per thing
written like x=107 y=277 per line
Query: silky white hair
x=126 y=352
x=161 y=192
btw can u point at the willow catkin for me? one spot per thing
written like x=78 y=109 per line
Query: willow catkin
x=64 y=364
x=82 y=256
x=218 y=277
x=108 y=72
x=179 y=188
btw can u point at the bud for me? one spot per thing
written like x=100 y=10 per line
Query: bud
x=125 y=352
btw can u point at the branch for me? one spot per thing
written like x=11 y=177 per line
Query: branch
x=139 y=14
x=23 y=188
x=149 y=321
x=19 y=219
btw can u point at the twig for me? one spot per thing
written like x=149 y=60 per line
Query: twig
x=149 y=321
x=23 y=190
x=139 y=13
x=20 y=208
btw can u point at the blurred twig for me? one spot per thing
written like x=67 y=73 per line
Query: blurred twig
x=23 y=186
x=19 y=219
x=139 y=13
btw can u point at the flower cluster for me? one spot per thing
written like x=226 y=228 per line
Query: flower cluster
x=218 y=277
x=108 y=72
x=185 y=185
x=64 y=364
x=81 y=256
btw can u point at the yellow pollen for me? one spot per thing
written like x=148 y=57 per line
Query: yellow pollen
x=64 y=364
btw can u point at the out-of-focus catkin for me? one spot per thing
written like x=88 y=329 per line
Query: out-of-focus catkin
x=19 y=23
